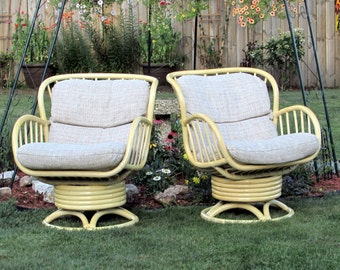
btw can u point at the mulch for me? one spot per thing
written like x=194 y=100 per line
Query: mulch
x=27 y=198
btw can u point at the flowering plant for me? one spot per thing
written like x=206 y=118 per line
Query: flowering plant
x=40 y=40
x=186 y=10
x=250 y=12
x=164 y=39
x=167 y=163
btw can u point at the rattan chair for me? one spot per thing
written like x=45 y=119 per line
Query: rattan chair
x=98 y=131
x=232 y=128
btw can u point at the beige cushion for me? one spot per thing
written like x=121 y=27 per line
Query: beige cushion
x=226 y=98
x=101 y=104
x=277 y=150
x=62 y=133
x=53 y=156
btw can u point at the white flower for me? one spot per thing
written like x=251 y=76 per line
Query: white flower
x=149 y=173
x=113 y=13
x=100 y=2
x=157 y=178
x=166 y=171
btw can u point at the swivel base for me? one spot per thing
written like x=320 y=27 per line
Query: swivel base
x=211 y=213
x=73 y=200
x=92 y=224
x=245 y=194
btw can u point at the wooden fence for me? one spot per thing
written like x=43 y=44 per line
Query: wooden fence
x=230 y=36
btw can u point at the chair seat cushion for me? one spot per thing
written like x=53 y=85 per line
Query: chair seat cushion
x=56 y=156
x=280 y=149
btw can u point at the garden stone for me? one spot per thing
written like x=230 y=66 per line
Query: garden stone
x=8 y=175
x=131 y=190
x=170 y=194
x=45 y=189
x=25 y=181
x=5 y=191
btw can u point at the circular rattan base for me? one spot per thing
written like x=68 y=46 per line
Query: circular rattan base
x=104 y=200
x=246 y=195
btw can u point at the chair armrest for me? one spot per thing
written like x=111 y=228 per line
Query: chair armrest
x=297 y=119
x=138 y=144
x=203 y=142
x=28 y=129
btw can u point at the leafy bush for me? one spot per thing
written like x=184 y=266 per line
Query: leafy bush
x=116 y=49
x=298 y=182
x=277 y=55
x=73 y=50
x=6 y=156
x=167 y=164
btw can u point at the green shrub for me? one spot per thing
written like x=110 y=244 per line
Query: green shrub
x=298 y=182
x=116 y=48
x=73 y=51
x=277 y=55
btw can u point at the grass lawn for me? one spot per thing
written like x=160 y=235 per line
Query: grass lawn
x=177 y=238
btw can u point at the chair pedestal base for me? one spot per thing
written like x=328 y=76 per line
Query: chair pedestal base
x=74 y=200
x=246 y=195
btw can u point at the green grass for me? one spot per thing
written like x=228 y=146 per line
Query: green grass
x=177 y=238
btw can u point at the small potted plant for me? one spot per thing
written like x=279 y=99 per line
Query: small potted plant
x=159 y=41
x=37 y=52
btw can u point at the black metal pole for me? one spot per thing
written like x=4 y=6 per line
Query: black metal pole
x=292 y=33
x=149 y=39
x=46 y=66
x=195 y=40
x=16 y=78
x=51 y=49
x=322 y=87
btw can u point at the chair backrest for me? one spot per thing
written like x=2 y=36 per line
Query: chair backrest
x=87 y=111
x=238 y=103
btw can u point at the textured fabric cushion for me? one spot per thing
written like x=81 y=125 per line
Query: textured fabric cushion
x=53 y=156
x=226 y=98
x=102 y=103
x=250 y=129
x=276 y=150
x=61 y=133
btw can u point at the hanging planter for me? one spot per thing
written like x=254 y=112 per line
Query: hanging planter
x=33 y=74
x=158 y=71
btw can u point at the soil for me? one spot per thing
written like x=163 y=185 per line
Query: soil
x=27 y=198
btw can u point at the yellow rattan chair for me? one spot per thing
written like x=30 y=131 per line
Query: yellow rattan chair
x=233 y=129
x=98 y=132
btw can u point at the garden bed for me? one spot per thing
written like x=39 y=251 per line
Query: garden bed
x=27 y=198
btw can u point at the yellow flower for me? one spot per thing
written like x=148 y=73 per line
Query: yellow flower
x=185 y=156
x=196 y=180
x=186 y=181
x=153 y=145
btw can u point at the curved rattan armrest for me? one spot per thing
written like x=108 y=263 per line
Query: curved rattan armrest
x=297 y=119
x=138 y=144
x=203 y=142
x=29 y=129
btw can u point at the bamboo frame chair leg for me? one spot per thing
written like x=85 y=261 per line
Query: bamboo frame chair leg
x=92 y=225
x=211 y=213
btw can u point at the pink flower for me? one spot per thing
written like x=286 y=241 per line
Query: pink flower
x=158 y=121
x=172 y=135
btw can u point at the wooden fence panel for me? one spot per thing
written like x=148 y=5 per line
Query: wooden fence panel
x=236 y=39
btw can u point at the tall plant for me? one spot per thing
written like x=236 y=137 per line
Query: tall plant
x=116 y=48
x=73 y=49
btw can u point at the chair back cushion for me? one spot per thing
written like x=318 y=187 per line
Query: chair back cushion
x=238 y=103
x=88 y=111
